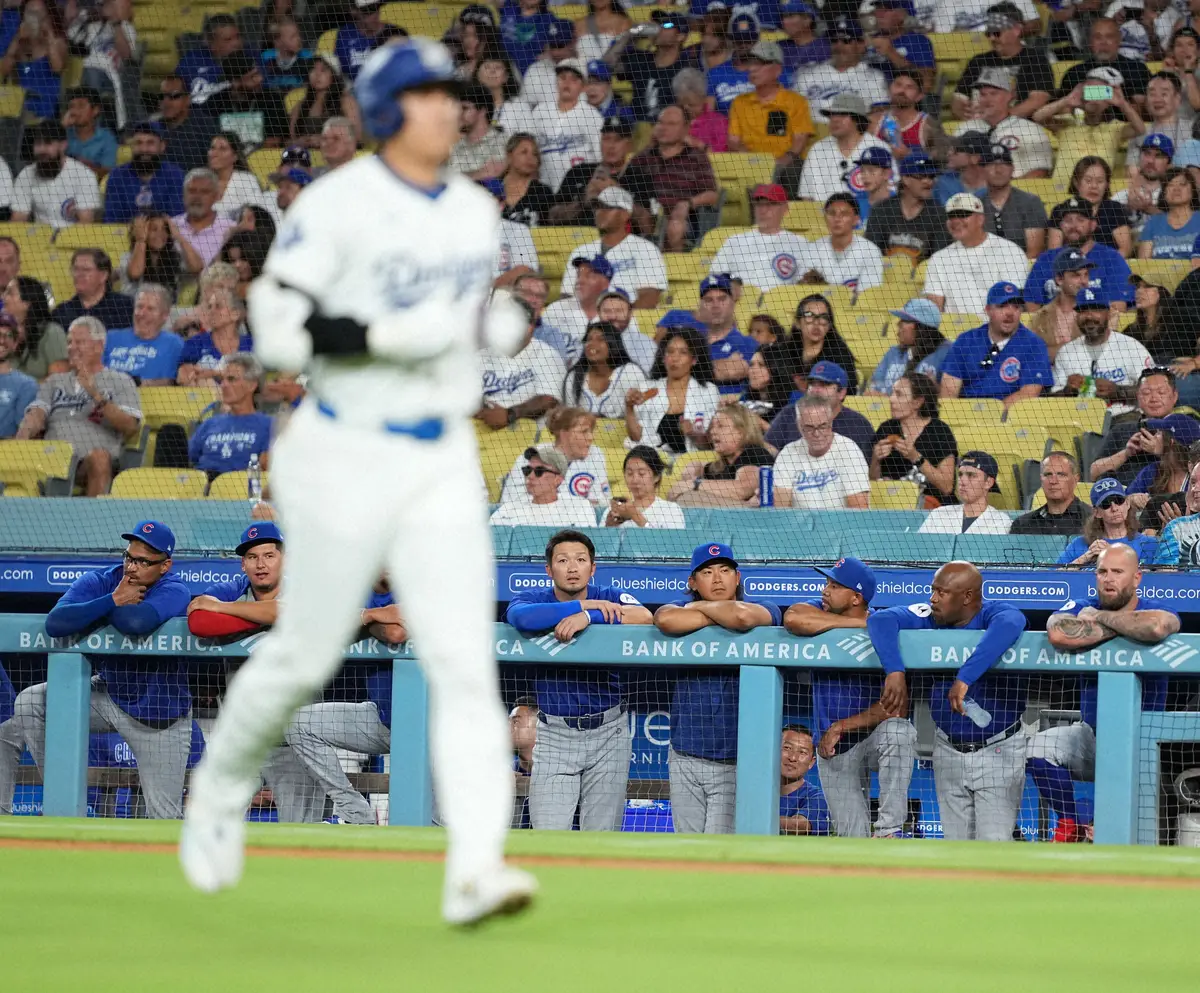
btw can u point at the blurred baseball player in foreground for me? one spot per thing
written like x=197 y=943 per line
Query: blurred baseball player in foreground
x=1060 y=754
x=377 y=286
x=979 y=749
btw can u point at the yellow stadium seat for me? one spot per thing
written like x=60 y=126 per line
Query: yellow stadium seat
x=160 y=484
x=958 y=46
x=523 y=432
x=293 y=97
x=894 y=494
x=31 y=237
x=328 y=41
x=675 y=473
x=554 y=245
x=113 y=238
x=124 y=155
x=1163 y=272
x=1061 y=417
x=27 y=467
x=970 y=413
x=233 y=486
x=1083 y=491
x=614 y=465
x=429 y=19
x=874 y=408
x=1028 y=441
x=52 y=267
x=572 y=11
x=610 y=434
x=868 y=352
x=262 y=163
x=864 y=323
x=1060 y=70
x=498 y=450
x=889 y=296
x=898 y=270
x=183 y=405
x=955 y=324
x=713 y=239
x=805 y=216
x=12 y=101
x=1076 y=141
x=738 y=173
x=1049 y=191
x=685 y=267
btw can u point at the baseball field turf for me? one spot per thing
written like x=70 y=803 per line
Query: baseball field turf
x=100 y=905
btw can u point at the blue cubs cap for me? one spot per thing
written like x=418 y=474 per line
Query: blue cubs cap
x=599 y=265
x=1092 y=296
x=712 y=552
x=300 y=177
x=1181 y=427
x=919 y=310
x=716 y=281
x=744 y=27
x=598 y=70
x=1002 y=293
x=1106 y=489
x=1071 y=260
x=1161 y=143
x=829 y=372
x=852 y=573
x=875 y=156
x=918 y=164
x=155 y=534
x=559 y=32
x=259 y=534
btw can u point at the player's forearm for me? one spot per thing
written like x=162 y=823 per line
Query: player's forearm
x=1000 y=636
x=136 y=618
x=213 y=624
x=631 y=614
x=70 y=618
x=1071 y=633
x=530 y=617
x=1150 y=626
x=804 y=619
x=797 y=824
x=256 y=611
x=535 y=407
x=680 y=620
x=885 y=636
x=735 y=615
x=864 y=720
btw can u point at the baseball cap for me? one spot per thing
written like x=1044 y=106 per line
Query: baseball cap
x=1075 y=205
x=798 y=7
x=920 y=311
x=997 y=79
x=875 y=156
x=576 y=66
x=975 y=459
x=364 y=4
x=1106 y=489
x=598 y=70
x=907 y=6
x=1159 y=142
x=972 y=142
x=918 y=164
x=1092 y=297
x=998 y=21
x=743 y=27
x=617 y=125
x=331 y=60
x=155 y=534
x=1002 y=293
x=716 y=281
x=295 y=155
x=767 y=51
x=829 y=372
x=148 y=127
x=614 y=291
x=549 y=455
x=845 y=29
x=1071 y=260
x=964 y=203
x=996 y=153
x=298 y=176
x=769 y=191
x=848 y=103
x=852 y=573
x=1106 y=74
x=1180 y=426
x=559 y=32
x=259 y=534
x=713 y=552
x=599 y=265
x=668 y=19
x=616 y=197
x=477 y=13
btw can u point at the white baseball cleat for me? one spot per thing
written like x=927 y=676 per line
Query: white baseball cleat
x=212 y=848
x=495 y=894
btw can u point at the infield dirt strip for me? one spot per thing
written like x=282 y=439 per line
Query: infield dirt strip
x=642 y=864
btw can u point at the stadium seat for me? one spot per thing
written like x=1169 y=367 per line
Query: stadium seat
x=12 y=101
x=429 y=19
x=955 y=324
x=641 y=544
x=293 y=98
x=113 y=238
x=894 y=494
x=1009 y=549
x=1076 y=141
x=498 y=451
x=805 y=217
x=1165 y=272
x=1010 y=446
x=712 y=241
x=863 y=323
x=160 y=484
x=737 y=173
x=233 y=486
x=968 y=413
x=554 y=245
x=875 y=409
x=174 y=405
x=614 y=465
x=37 y=468
x=610 y=434
x=675 y=472
x=1060 y=70
x=262 y=163
x=1082 y=490
x=889 y=296
x=1063 y=418
x=1049 y=191
x=868 y=352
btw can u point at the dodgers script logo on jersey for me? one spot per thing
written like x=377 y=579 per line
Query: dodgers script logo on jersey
x=1010 y=369
x=405 y=280
x=493 y=384
x=818 y=480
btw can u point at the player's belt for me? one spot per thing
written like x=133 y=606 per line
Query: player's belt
x=975 y=746
x=588 y=722
x=429 y=429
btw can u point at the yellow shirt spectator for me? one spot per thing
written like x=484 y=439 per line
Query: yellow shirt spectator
x=766 y=121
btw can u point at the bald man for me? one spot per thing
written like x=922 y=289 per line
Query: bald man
x=979 y=751
x=1059 y=755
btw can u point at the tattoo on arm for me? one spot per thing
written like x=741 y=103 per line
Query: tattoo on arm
x=1084 y=633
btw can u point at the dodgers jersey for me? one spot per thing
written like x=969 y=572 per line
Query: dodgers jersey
x=572 y=692
x=1004 y=697
x=409 y=253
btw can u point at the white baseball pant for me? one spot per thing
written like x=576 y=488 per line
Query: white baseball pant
x=1070 y=746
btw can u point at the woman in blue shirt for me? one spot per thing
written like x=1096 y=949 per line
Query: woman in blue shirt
x=920 y=346
x=38 y=54
x=202 y=353
x=1171 y=234
x=1115 y=521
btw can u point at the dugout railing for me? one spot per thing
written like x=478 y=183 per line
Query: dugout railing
x=1127 y=765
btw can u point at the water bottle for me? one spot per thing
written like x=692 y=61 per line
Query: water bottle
x=979 y=717
x=1089 y=387
x=254 y=487
x=889 y=130
x=766 y=486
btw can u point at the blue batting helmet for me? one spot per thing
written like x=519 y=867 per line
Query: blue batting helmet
x=392 y=69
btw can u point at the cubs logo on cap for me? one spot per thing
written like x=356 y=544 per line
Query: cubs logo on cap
x=854 y=574
x=155 y=534
x=716 y=552
x=266 y=532
x=1002 y=293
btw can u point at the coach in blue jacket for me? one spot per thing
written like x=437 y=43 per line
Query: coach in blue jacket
x=145 y=700
x=979 y=750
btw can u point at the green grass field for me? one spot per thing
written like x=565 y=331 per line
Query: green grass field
x=616 y=913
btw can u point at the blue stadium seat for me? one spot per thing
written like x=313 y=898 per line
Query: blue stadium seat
x=784 y=544
x=530 y=542
x=501 y=539
x=648 y=543
x=1009 y=549
x=853 y=521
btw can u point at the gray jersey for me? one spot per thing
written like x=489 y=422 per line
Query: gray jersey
x=71 y=414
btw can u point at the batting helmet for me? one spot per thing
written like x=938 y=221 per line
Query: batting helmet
x=392 y=69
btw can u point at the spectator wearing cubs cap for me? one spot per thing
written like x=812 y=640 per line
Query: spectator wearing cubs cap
x=729 y=349
x=145 y=182
x=1033 y=155
x=875 y=170
x=771 y=119
x=846 y=72
x=480 y=152
x=1032 y=77
x=585 y=181
x=999 y=359
x=842 y=257
x=681 y=176
x=958 y=277
x=540 y=82
x=911 y=224
x=1008 y=212
x=766 y=256
x=975 y=479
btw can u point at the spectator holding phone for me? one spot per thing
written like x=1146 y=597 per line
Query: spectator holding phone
x=643 y=508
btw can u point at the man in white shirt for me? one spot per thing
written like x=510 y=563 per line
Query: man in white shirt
x=958 y=277
x=616 y=308
x=544 y=471
x=842 y=258
x=823 y=470
x=1164 y=97
x=55 y=190
x=977 y=472
x=638 y=266
x=570 y=316
x=972 y=15
x=1111 y=360
x=830 y=167
x=567 y=129
x=517 y=256
x=540 y=83
x=847 y=71
x=526 y=385
x=768 y=256
x=1029 y=143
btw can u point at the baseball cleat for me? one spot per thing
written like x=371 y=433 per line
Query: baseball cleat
x=501 y=893
x=212 y=849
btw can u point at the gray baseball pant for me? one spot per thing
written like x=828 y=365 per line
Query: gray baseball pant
x=161 y=755
x=890 y=749
x=318 y=729
x=588 y=769
x=703 y=794
x=1072 y=746
x=298 y=797
x=979 y=793
x=11 y=745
